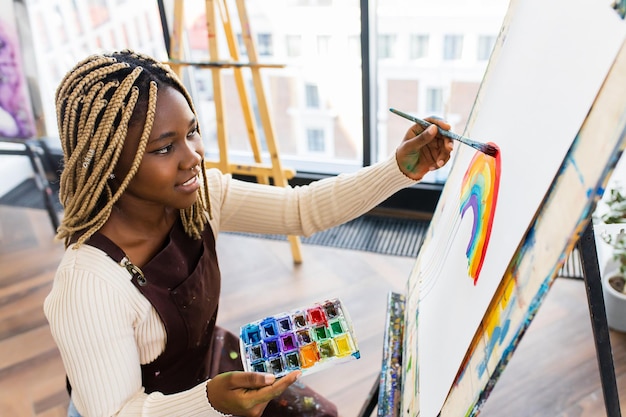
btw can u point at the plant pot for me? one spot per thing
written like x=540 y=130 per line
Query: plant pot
x=614 y=300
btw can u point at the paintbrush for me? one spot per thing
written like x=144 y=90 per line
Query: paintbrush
x=483 y=147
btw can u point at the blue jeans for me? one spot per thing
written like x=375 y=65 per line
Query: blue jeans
x=71 y=410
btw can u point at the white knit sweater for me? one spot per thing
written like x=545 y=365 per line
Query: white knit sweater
x=105 y=328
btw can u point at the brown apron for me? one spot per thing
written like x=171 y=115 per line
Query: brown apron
x=182 y=282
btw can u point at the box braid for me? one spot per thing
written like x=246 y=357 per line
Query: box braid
x=96 y=102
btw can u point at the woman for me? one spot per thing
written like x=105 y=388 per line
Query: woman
x=135 y=298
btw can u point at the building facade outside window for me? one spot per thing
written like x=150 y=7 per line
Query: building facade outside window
x=436 y=71
x=319 y=84
x=65 y=32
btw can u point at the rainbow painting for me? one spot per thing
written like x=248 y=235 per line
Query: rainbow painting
x=479 y=193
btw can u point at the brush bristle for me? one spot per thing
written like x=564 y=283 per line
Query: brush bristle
x=490 y=150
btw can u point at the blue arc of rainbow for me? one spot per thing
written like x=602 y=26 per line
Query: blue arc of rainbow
x=479 y=194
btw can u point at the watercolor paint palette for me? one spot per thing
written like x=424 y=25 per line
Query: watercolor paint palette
x=306 y=339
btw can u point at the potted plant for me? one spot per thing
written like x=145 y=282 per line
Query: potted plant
x=614 y=272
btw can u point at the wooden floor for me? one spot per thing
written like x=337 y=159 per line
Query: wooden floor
x=553 y=372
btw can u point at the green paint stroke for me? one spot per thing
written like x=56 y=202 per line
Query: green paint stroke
x=410 y=166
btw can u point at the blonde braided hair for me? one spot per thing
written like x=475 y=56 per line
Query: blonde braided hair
x=96 y=102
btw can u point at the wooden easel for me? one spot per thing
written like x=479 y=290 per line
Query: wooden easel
x=217 y=11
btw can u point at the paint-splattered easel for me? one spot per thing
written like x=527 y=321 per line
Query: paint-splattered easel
x=217 y=11
x=562 y=222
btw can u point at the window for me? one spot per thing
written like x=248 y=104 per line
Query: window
x=65 y=32
x=316 y=87
x=312 y=96
x=299 y=42
x=418 y=46
x=294 y=46
x=323 y=45
x=315 y=140
x=241 y=46
x=386 y=44
x=264 y=46
x=485 y=45
x=452 y=47
x=440 y=75
x=434 y=101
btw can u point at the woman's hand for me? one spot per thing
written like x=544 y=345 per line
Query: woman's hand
x=246 y=393
x=422 y=150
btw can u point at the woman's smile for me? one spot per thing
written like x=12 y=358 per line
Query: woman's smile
x=191 y=185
